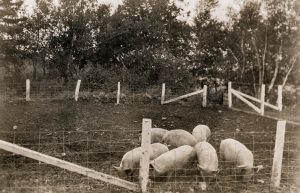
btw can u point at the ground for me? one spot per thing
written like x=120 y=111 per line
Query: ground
x=97 y=135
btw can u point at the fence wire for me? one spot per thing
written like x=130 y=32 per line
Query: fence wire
x=97 y=135
x=100 y=149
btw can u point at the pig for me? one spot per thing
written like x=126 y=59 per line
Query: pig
x=234 y=151
x=156 y=135
x=207 y=160
x=130 y=161
x=201 y=133
x=175 y=159
x=178 y=137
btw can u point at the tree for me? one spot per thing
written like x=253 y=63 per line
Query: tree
x=39 y=29
x=137 y=31
x=12 y=42
x=263 y=45
x=209 y=35
x=73 y=40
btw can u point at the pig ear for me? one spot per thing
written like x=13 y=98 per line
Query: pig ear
x=242 y=166
x=258 y=168
x=117 y=168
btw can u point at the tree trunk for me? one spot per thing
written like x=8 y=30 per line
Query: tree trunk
x=276 y=69
x=260 y=78
x=264 y=55
x=288 y=73
x=274 y=77
x=69 y=59
x=34 y=63
x=244 y=57
x=44 y=63
x=254 y=80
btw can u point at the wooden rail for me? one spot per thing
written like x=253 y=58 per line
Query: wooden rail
x=68 y=166
x=183 y=96
x=245 y=101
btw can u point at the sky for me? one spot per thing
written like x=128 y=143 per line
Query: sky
x=187 y=5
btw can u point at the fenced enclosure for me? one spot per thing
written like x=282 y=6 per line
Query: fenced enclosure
x=96 y=136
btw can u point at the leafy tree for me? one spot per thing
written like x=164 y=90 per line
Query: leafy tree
x=136 y=31
x=262 y=47
x=12 y=42
x=209 y=35
x=73 y=42
x=39 y=29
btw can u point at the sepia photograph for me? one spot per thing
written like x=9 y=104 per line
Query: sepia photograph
x=149 y=96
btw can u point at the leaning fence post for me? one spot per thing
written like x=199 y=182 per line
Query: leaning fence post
x=145 y=158
x=163 y=92
x=204 y=99
x=279 y=99
x=118 y=93
x=77 y=90
x=27 y=90
x=262 y=98
x=229 y=95
x=278 y=152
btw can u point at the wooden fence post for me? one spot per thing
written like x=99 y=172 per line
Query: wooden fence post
x=119 y=92
x=279 y=98
x=77 y=90
x=229 y=95
x=27 y=90
x=145 y=158
x=204 y=99
x=163 y=92
x=278 y=152
x=262 y=98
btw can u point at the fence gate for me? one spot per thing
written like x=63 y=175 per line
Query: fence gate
x=203 y=91
x=243 y=97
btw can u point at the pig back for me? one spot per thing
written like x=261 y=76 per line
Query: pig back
x=178 y=137
x=131 y=159
x=207 y=156
x=201 y=133
x=157 y=149
x=234 y=151
x=173 y=160
x=157 y=134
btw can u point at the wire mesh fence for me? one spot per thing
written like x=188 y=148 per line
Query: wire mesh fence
x=129 y=93
x=140 y=93
x=97 y=137
x=24 y=175
x=100 y=145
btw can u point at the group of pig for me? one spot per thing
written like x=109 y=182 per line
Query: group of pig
x=173 y=150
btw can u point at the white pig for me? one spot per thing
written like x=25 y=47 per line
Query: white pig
x=207 y=158
x=233 y=151
x=156 y=135
x=201 y=133
x=178 y=137
x=172 y=160
x=130 y=161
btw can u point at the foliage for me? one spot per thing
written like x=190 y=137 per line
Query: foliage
x=100 y=78
x=12 y=41
x=144 y=42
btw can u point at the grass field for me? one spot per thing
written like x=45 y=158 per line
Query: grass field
x=97 y=135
